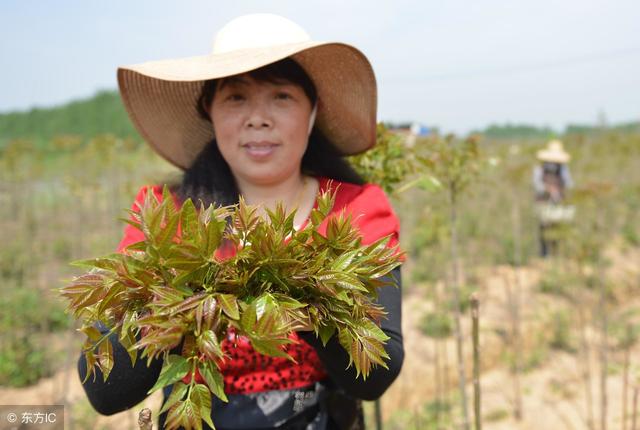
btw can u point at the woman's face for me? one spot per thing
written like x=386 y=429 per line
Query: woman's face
x=262 y=128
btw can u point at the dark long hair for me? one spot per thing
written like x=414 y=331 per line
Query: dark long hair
x=209 y=178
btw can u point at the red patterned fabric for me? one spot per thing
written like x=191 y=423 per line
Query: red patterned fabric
x=246 y=371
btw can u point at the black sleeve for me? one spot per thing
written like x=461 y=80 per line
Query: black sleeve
x=336 y=359
x=126 y=386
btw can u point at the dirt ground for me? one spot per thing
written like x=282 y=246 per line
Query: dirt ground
x=553 y=389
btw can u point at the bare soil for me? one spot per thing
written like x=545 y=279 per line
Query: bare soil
x=553 y=388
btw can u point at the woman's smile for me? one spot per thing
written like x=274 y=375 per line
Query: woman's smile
x=260 y=150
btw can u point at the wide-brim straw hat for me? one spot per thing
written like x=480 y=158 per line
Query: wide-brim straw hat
x=554 y=153
x=161 y=96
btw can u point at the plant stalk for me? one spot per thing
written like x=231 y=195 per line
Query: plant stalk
x=475 y=316
x=456 y=301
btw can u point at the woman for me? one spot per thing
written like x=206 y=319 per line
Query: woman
x=267 y=116
x=551 y=180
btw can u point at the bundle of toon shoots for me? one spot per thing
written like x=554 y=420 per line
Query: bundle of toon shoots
x=175 y=288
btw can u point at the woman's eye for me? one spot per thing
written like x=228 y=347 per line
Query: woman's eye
x=283 y=95
x=235 y=97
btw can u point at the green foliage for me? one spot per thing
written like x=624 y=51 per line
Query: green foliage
x=23 y=355
x=624 y=331
x=46 y=195
x=561 y=389
x=450 y=163
x=277 y=280
x=589 y=233
x=561 y=332
x=466 y=291
x=21 y=362
x=388 y=164
x=437 y=325
x=628 y=127
x=515 y=131
x=557 y=282
x=434 y=232
x=101 y=114
x=630 y=194
x=79 y=192
x=630 y=234
x=531 y=357
x=433 y=415
x=496 y=415
x=534 y=358
x=13 y=261
x=526 y=131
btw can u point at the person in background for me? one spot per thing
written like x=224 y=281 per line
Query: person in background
x=551 y=180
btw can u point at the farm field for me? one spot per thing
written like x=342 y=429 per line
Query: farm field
x=553 y=332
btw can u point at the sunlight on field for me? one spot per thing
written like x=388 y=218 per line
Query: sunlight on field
x=553 y=333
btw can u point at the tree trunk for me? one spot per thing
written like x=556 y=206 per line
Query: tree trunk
x=475 y=316
x=456 y=302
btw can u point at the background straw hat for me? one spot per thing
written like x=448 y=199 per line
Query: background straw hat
x=161 y=96
x=553 y=153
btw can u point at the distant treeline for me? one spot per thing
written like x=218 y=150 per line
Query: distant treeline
x=511 y=131
x=104 y=113
x=100 y=114
x=527 y=131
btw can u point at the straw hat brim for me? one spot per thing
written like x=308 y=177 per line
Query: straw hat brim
x=553 y=156
x=161 y=96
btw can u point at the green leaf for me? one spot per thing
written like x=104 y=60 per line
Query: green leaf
x=316 y=217
x=344 y=296
x=343 y=261
x=105 y=358
x=229 y=305
x=168 y=230
x=128 y=340
x=133 y=220
x=248 y=318
x=213 y=378
x=174 y=369
x=346 y=340
x=262 y=304
x=370 y=329
x=208 y=345
x=214 y=232
x=137 y=246
x=184 y=414
x=271 y=347
x=190 y=276
x=325 y=332
x=92 y=333
x=189 y=221
x=177 y=394
x=174 y=416
x=184 y=263
x=201 y=397
x=191 y=415
x=429 y=183
x=91 y=363
x=110 y=297
x=269 y=324
x=109 y=262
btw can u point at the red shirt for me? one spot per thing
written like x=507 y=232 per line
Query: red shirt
x=246 y=371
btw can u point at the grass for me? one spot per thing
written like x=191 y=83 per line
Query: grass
x=437 y=325
x=62 y=205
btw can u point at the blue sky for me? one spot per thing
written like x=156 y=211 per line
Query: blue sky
x=455 y=64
